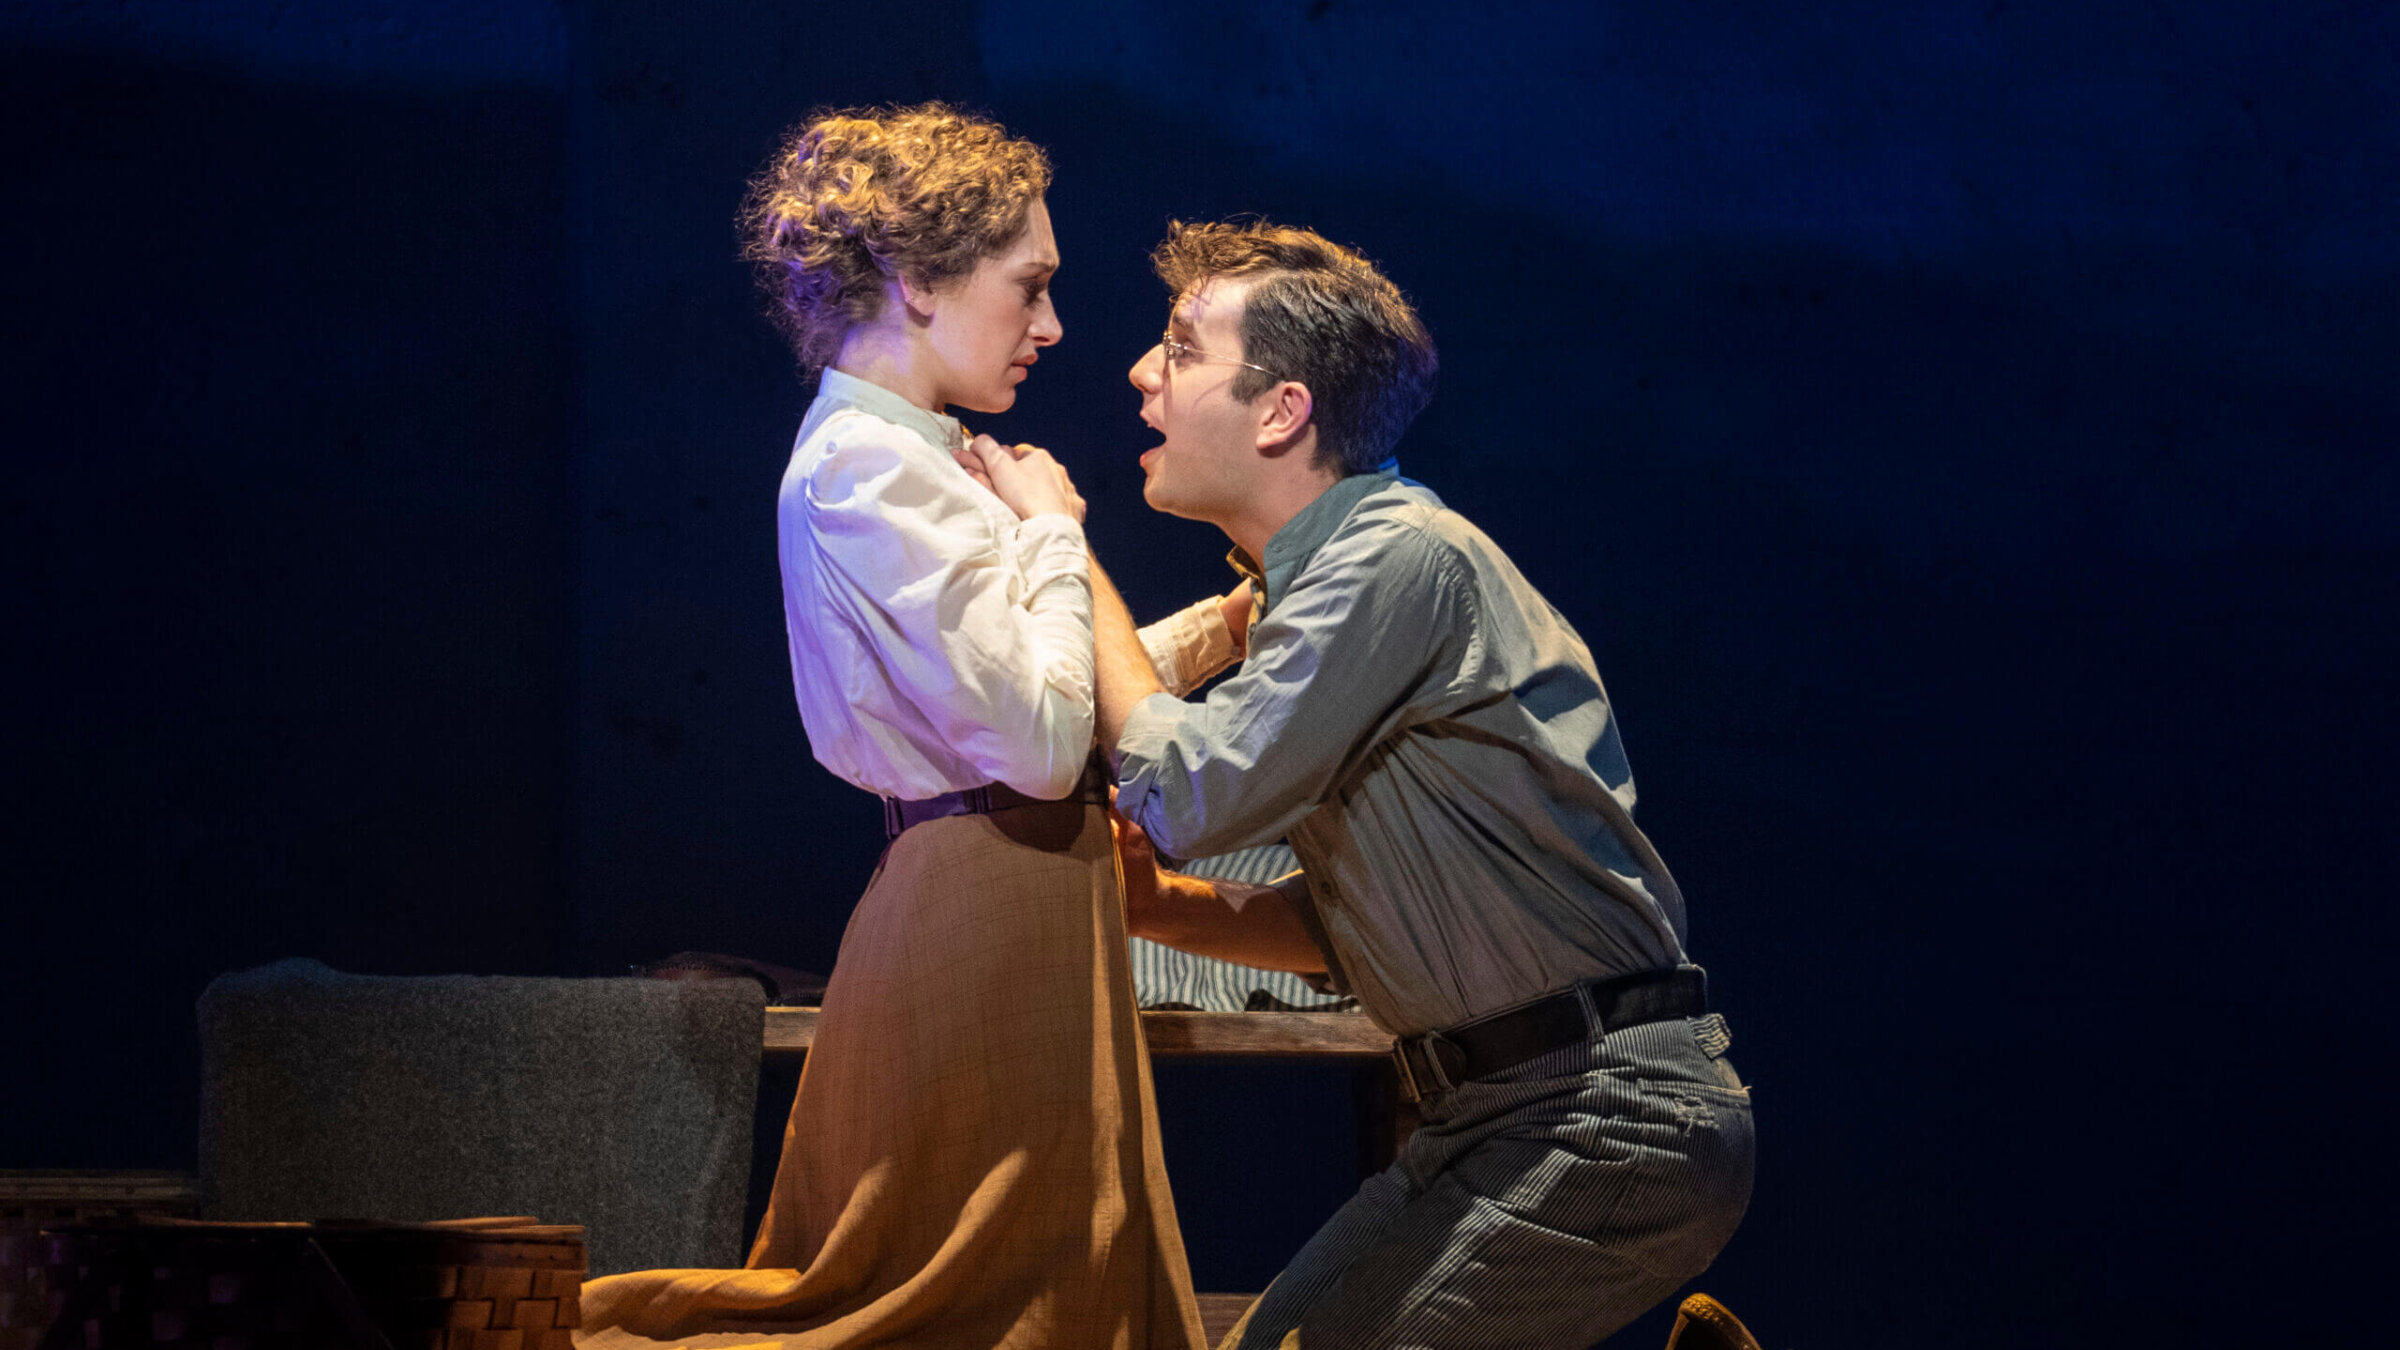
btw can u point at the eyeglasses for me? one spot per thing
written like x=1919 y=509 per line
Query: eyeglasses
x=1183 y=353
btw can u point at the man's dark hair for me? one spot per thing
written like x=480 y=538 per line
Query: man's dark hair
x=1320 y=314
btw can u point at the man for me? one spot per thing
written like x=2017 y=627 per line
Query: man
x=1433 y=739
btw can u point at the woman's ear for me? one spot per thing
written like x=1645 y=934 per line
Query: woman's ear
x=919 y=298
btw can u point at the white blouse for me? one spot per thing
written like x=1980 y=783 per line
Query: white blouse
x=939 y=643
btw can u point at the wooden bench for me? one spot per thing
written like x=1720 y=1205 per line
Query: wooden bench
x=1264 y=1034
x=1384 y=1120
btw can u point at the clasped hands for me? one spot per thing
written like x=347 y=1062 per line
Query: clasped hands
x=1031 y=482
x=1025 y=478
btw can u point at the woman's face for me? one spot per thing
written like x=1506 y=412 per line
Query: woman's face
x=988 y=327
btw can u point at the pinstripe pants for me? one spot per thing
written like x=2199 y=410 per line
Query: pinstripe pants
x=1543 y=1207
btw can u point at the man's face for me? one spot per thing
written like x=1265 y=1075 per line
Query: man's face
x=1208 y=465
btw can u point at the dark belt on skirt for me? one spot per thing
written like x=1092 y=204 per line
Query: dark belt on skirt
x=983 y=801
x=1482 y=1046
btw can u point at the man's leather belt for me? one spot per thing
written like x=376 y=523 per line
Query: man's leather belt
x=982 y=801
x=1440 y=1060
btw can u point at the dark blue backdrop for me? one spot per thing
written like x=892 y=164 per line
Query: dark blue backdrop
x=1964 y=432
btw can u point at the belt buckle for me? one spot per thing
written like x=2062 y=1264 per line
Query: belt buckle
x=1434 y=1044
x=1408 y=1076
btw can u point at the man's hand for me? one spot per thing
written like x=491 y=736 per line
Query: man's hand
x=1234 y=608
x=1026 y=478
x=1138 y=860
x=1234 y=921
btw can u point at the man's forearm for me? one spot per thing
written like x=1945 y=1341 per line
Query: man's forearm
x=1120 y=663
x=1238 y=921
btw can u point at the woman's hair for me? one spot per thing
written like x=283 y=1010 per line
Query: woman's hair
x=856 y=198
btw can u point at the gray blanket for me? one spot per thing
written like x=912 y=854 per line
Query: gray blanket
x=621 y=1105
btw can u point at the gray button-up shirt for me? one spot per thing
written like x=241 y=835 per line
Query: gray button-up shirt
x=1433 y=739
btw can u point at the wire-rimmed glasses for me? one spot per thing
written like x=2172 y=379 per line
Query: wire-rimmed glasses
x=1179 y=351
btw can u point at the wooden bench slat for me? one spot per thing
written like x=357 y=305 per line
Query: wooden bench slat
x=793 y=1030
x=1218 y=1312
x=1263 y=1033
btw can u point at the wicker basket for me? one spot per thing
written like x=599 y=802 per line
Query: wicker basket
x=468 y=1284
x=32 y=1201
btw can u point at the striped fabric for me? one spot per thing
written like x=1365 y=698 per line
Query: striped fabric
x=1539 y=1208
x=1166 y=978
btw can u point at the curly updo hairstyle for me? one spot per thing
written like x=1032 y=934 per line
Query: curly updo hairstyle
x=856 y=198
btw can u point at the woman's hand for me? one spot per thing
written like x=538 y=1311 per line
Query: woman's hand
x=1026 y=478
x=973 y=464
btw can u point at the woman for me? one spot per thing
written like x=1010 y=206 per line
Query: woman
x=973 y=1156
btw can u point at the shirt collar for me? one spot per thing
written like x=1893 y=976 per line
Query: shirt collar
x=840 y=390
x=1301 y=536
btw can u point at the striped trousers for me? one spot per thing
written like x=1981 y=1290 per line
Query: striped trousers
x=1539 y=1209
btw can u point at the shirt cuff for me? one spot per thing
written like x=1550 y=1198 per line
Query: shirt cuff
x=1189 y=646
x=1149 y=728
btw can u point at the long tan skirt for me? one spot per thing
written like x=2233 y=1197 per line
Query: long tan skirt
x=973 y=1156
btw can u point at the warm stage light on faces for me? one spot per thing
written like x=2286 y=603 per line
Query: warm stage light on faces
x=986 y=330
x=1200 y=470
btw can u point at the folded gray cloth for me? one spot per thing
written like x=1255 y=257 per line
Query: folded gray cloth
x=622 y=1105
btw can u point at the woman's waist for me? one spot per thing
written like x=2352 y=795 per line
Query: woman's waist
x=1090 y=789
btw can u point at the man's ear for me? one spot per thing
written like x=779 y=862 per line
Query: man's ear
x=1289 y=408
